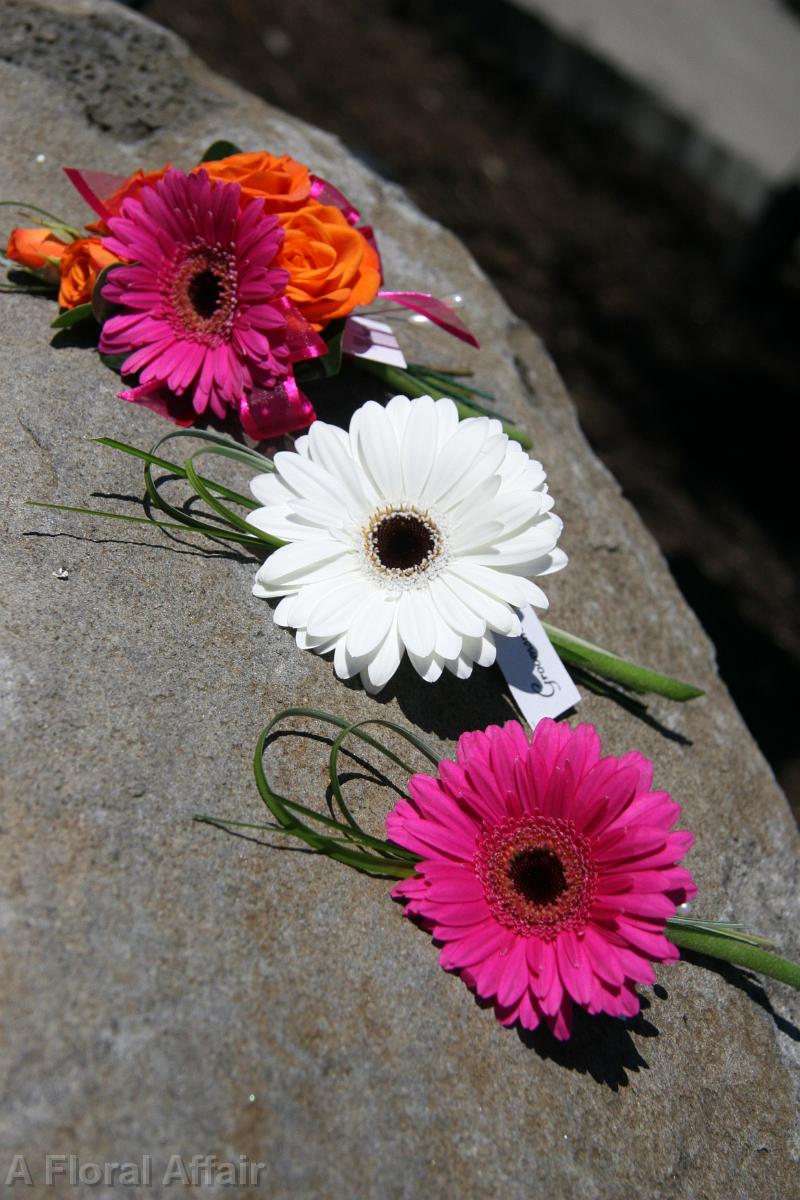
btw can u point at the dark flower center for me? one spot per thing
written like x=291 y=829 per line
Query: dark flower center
x=404 y=545
x=204 y=293
x=403 y=541
x=200 y=288
x=537 y=875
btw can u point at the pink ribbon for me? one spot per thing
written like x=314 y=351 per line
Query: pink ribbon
x=271 y=412
x=437 y=311
x=325 y=193
x=95 y=187
x=302 y=339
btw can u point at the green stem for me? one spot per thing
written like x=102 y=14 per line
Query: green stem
x=639 y=679
x=394 y=377
x=732 y=950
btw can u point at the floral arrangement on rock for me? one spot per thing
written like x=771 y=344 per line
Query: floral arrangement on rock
x=549 y=874
x=218 y=292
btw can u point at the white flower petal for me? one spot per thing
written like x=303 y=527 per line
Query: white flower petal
x=379 y=452
x=475 y=501
x=513 y=510
x=454 y=611
x=556 y=560
x=460 y=667
x=370 y=622
x=456 y=458
x=472 y=538
x=289 y=564
x=279 y=521
x=446 y=421
x=331 y=615
x=398 y=410
x=497 y=615
x=308 y=479
x=284 y=613
x=380 y=669
x=270 y=489
x=329 y=446
x=482 y=651
x=328 y=573
x=502 y=586
x=448 y=642
x=344 y=664
x=318 y=645
x=429 y=668
x=415 y=622
x=419 y=446
x=483 y=467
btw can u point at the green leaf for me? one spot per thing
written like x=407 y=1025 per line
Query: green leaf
x=610 y=666
x=114 y=361
x=72 y=316
x=220 y=149
x=101 y=308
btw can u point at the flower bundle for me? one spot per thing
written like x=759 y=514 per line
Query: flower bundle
x=218 y=292
x=549 y=874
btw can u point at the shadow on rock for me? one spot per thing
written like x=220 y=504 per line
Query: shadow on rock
x=600 y=1046
x=450 y=706
x=180 y=547
x=746 y=983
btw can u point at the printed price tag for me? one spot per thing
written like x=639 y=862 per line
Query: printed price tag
x=536 y=676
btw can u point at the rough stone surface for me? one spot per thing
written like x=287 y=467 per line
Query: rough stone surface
x=170 y=989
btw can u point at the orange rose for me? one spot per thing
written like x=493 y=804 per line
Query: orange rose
x=80 y=265
x=129 y=190
x=34 y=248
x=332 y=267
x=283 y=183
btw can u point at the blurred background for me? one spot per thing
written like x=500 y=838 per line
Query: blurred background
x=627 y=173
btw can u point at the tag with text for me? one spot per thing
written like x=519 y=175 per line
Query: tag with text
x=536 y=676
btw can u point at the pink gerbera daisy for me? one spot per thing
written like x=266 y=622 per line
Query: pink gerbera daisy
x=547 y=871
x=198 y=317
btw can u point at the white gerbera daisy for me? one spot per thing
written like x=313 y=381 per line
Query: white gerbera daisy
x=414 y=531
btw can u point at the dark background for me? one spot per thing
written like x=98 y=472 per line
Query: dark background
x=679 y=344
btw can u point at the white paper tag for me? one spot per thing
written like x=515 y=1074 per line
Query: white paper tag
x=536 y=676
x=366 y=338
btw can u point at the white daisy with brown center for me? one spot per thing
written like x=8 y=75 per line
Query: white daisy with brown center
x=412 y=532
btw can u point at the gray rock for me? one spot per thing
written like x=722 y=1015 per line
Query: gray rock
x=170 y=989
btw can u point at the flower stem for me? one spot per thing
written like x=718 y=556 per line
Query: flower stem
x=640 y=679
x=394 y=377
x=732 y=950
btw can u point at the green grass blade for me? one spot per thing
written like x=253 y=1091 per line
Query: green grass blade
x=222 y=510
x=178 y=527
x=386 y=860
x=176 y=469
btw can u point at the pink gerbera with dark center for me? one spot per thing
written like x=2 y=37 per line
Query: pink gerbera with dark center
x=547 y=871
x=198 y=317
